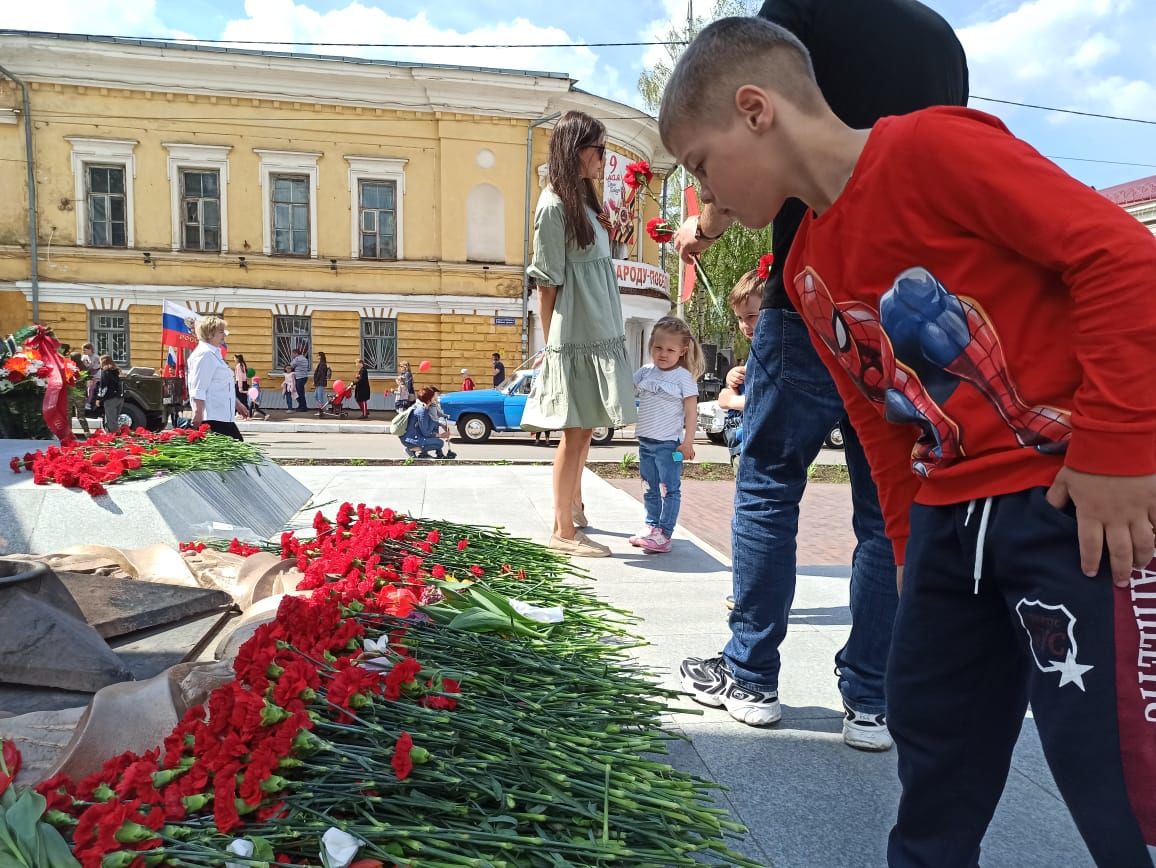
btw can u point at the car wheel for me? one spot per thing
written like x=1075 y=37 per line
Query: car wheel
x=475 y=428
x=602 y=436
x=834 y=439
x=139 y=419
x=716 y=437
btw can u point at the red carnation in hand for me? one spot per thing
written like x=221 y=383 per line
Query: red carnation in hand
x=661 y=231
x=765 y=263
x=638 y=175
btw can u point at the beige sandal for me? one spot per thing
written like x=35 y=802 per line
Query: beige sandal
x=579 y=547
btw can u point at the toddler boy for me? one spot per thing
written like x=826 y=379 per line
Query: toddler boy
x=999 y=314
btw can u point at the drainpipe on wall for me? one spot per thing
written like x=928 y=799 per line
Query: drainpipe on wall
x=30 y=163
x=526 y=230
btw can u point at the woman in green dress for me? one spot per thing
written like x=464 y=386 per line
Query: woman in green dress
x=584 y=380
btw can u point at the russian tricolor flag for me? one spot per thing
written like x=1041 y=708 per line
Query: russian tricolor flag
x=177 y=323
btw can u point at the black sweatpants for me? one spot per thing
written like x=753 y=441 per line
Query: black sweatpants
x=966 y=659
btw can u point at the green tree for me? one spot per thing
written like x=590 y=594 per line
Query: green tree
x=739 y=249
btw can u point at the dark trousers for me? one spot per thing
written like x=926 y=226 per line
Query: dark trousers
x=301 y=405
x=228 y=429
x=967 y=658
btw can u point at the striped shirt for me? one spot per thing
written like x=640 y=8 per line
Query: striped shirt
x=661 y=414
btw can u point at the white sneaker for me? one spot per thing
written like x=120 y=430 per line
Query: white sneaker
x=866 y=731
x=710 y=682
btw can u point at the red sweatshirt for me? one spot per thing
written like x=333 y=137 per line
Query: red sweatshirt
x=1001 y=313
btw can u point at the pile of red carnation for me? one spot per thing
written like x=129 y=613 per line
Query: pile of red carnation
x=108 y=457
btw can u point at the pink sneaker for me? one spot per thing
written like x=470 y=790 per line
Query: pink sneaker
x=637 y=539
x=657 y=544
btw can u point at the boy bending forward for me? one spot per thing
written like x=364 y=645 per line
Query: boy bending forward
x=1000 y=315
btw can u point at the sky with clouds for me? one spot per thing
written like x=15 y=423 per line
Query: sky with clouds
x=1087 y=55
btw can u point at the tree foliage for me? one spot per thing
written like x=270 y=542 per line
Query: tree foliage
x=739 y=249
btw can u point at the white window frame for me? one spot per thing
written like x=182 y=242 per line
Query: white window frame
x=375 y=169
x=102 y=152
x=199 y=158
x=287 y=163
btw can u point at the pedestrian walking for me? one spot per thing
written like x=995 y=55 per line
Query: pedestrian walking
x=321 y=375
x=402 y=396
x=300 y=365
x=289 y=387
x=499 y=369
x=76 y=397
x=212 y=386
x=91 y=364
x=109 y=394
x=241 y=376
x=407 y=375
x=255 y=399
x=467 y=380
x=361 y=389
x=584 y=380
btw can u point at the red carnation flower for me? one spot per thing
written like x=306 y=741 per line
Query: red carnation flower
x=660 y=231
x=765 y=262
x=402 y=762
x=638 y=175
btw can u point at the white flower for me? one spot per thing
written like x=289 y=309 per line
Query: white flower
x=242 y=847
x=6 y=386
x=338 y=848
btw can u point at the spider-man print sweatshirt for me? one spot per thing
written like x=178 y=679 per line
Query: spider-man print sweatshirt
x=986 y=317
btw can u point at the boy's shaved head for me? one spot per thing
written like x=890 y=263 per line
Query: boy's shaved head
x=726 y=55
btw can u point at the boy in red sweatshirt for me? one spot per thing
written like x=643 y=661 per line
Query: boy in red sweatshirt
x=1002 y=317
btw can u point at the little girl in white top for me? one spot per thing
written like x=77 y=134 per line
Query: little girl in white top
x=667 y=416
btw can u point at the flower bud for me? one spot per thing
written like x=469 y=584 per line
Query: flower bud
x=134 y=833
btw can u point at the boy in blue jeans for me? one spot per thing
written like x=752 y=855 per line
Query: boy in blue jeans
x=999 y=314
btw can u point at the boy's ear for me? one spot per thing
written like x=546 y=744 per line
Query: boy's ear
x=755 y=107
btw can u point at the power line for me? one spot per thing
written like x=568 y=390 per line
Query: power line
x=1052 y=108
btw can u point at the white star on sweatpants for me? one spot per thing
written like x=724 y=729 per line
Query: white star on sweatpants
x=1071 y=671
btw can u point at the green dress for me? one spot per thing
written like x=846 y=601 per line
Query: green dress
x=584 y=380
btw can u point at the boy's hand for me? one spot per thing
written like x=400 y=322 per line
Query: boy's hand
x=687 y=450
x=1116 y=511
x=685 y=242
x=736 y=376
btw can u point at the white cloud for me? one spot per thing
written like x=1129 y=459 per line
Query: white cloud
x=1071 y=53
x=289 y=20
x=138 y=17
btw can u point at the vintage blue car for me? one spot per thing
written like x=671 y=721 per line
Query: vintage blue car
x=480 y=412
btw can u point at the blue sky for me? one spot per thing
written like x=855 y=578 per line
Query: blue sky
x=1088 y=55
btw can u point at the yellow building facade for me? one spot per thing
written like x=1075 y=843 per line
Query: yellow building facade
x=362 y=208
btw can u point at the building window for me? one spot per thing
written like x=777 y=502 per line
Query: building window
x=290 y=214
x=289 y=334
x=377 y=200
x=103 y=172
x=200 y=210
x=485 y=224
x=105 y=203
x=289 y=206
x=378 y=206
x=109 y=330
x=198 y=180
x=379 y=345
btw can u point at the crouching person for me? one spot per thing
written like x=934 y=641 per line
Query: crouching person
x=421 y=432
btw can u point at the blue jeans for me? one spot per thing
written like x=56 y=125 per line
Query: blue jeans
x=425 y=444
x=791 y=405
x=661 y=482
x=319 y=396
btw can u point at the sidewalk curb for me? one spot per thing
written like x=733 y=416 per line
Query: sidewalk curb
x=251 y=427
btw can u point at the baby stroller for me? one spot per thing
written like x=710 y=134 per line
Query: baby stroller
x=335 y=406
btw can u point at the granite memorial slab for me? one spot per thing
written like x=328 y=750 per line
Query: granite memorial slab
x=251 y=502
x=119 y=607
x=44 y=638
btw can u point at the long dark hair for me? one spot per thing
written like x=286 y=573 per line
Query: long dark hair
x=241 y=361
x=321 y=359
x=574 y=132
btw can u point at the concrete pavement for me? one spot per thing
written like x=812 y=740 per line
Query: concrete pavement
x=809 y=800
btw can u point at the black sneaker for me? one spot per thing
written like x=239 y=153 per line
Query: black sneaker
x=711 y=683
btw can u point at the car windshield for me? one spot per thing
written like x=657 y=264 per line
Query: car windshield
x=518 y=384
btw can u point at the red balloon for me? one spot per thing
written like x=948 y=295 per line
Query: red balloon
x=339 y=385
x=424 y=366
